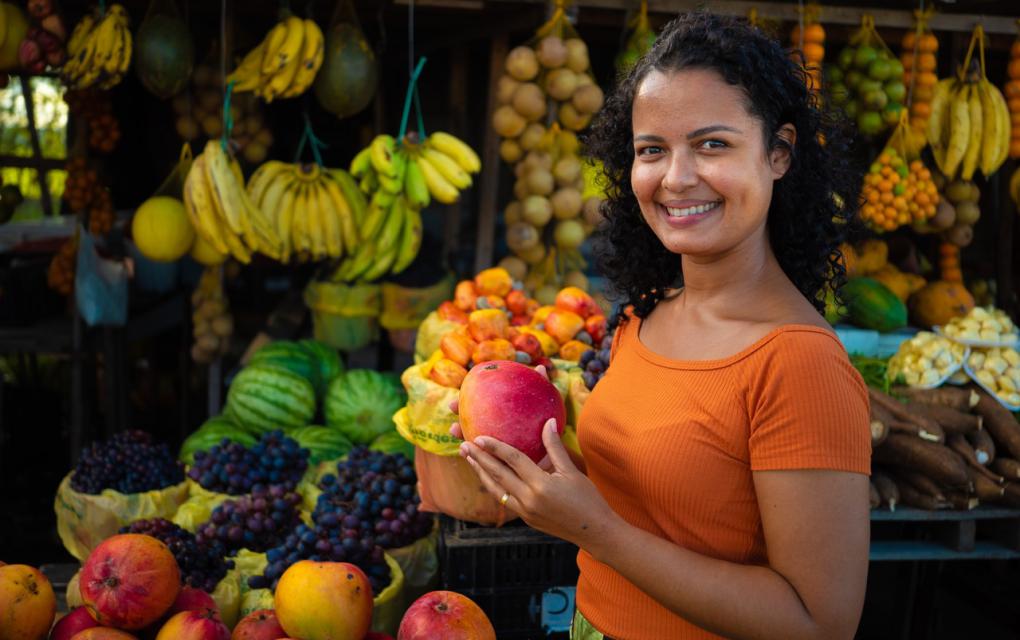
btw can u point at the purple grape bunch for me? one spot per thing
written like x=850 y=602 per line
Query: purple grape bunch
x=129 y=462
x=594 y=362
x=257 y=521
x=230 y=467
x=202 y=563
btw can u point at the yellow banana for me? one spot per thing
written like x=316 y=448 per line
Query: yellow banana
x=312 y=53
x=299 y=222
x=247 y=74
x=375 y=218
x=360 y=261
x=352 y=194
x=313 y=218
x=109 y=42
x=344 y=214
x=80 y=34
x=222 y=181
x=285 y=217
x=126 y=52
x=414 y=185
x=1000 y=112
x=83 y=69
x=273 y=43
x=389 y=236
x=264 y=177
x=973 y=153
x=410 y=240
x=990 y=132
x=200 y=209
x=448 y=167
x=289 y=48
x=959 y=128
x=938 y=122
x=118 y=47
x=329 y=217
x=394 y=183
x=380 y=265
x=237 y=248
x=382 y=149
x=457 y=149
x=362 y=162
x=439 y=187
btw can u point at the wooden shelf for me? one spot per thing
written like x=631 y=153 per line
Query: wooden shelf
x=920 y=550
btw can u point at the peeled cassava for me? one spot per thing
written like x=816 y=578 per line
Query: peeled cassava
x=347 y=81
x=163 y=50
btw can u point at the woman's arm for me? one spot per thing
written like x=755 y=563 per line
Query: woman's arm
x=816 y=530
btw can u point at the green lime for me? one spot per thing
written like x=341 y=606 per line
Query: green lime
x=833 y=73
x=903 y=170
x=875 y=99
x=838 y=93
x=875 y=167
x=867 y=85
x=896 y=90
x=891 y=115
x=864 y=56
x=853 y=78
x=846 y=58
x=899 y=189
x=869 y=122
x=879 y=69
x=896 y=69
x=852 y=108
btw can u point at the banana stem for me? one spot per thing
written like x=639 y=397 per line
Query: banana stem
x=228 y=117
x=407 y=103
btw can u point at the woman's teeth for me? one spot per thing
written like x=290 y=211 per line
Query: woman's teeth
x=690 y=211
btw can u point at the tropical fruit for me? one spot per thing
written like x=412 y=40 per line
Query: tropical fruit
x=324 y=601
x=264 y=397
x=871 y=305
x=347 y=81
x=445 y=614
x=27 y=603
x=161 y=230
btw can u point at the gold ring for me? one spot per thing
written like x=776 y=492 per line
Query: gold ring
x=503 y=499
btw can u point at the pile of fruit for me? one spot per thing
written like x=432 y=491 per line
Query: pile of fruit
x=867 y=82
x=129 y=462
x=317 y=211
x=897 y=193
x=811 y=43
x=99 y=50
x=44 y=43
x=256 y=521
x=211 y=321
x=983 y=325
x=963 y=195
x=202 y=562
x=96 y=108
x=235 y=469
x=200 y=113
x=1013 y=98
x=595 y=362
x=60 y=274
x=926 y=360
x=222 y=212
x=399 y=178
x=917 y=55
x=997 y=369
x=969 y=120
x=284 y=64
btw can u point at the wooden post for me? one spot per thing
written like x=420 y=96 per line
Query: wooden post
x=458 y=99
x=488 y=187
x=33 y=134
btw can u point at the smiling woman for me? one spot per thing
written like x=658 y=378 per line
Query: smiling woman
x=727 y=447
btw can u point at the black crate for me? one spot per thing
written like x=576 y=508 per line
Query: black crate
x=505 y=570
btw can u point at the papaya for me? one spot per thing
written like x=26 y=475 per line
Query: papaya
x=871 y=305
x=347 y=80
x=164 y=54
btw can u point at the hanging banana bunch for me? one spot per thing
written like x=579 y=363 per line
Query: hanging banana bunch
x=317 y=211
x=284 y=64
x=222 y=212
x=99 y=50
x=969 y=120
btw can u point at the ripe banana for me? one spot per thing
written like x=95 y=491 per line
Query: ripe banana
x=381 y=155
x=996 y=120
x=199 y=206
x=448 y=168
x=312 y=54
x=439 y=186
x=284 y=64
x=975 y=132
x=99 y=51
x=959 y=131
x=464 y=155
x=938 y=122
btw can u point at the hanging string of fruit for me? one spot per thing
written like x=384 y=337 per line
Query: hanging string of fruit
x=212 y=324
x=808 y=38
x=639 y=38
x=317 y=211
x=969 y=119
x=60 y=275
x=219 y=207
x=545 y=96
x=99 y=50
x=399 y=177
x=284 y=64
x=1013 y=96
x=898 y=189
x=963 y=195
x=867 y=81
x=918 y=49
x=95 y=107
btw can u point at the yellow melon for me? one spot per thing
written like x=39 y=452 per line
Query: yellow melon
x=161 y=229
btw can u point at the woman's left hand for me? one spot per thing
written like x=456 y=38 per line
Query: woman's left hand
x=562 y=502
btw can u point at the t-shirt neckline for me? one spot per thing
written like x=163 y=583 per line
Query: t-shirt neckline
x=718 y=363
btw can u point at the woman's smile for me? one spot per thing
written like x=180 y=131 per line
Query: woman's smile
x=688 y=212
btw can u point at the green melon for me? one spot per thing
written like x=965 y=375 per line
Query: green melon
x=361 y=404
x=323 y=442
x=347 y=80
x=264 y=397
x=210 y=434
x=330 y=365
x=292 y=356
x=163 y=54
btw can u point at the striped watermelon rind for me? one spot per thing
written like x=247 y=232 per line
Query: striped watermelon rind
x=210 y=434
x=323 y=443
x=329 y=363
x=291 y=356
x=264 y=397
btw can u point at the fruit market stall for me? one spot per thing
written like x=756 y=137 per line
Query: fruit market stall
x=255 y=251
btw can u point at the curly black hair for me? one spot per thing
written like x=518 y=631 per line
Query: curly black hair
x=814 y=205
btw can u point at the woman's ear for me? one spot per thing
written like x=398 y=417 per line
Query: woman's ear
x=781 y=154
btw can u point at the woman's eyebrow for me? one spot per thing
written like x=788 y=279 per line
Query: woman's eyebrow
x=711 y=129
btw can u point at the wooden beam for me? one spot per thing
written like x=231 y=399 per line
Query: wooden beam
x=488 y=187
x=29 y=162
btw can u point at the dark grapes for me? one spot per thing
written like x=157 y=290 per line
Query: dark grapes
x=231 y=468
x=594 y=363
x=202 y=563
x=130 y=462
x=256 y=521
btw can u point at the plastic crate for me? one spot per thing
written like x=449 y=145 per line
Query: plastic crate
x=506 y=570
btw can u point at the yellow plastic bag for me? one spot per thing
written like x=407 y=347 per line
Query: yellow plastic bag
x=344 y=316
x=407 y=307
x=426 y=422
x=84 y=520
x=430 y=333
x=199 y=506
x=419 y=563
x=227 y=596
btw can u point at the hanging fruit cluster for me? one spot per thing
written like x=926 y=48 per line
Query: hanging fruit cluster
x=284 y=64
x=640 y=38
x=99 y=50
x=84 y=194
x=96 y=109
x=964 y=196
x=1013 y=98
x=60 y=276
x=200 y=114
x=969 y=120
x=44 y=43
x=212 y=322
x=810 y=41
x=867 y=81
x=918 y=49
x=897 y=193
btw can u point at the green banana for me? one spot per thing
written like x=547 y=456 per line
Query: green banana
x=382 y=149
x=410 y=241
x=414 y=185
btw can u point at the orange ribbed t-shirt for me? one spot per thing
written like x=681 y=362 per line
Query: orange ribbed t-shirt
x=671 y=445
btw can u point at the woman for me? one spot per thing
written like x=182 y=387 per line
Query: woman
x=727 y=448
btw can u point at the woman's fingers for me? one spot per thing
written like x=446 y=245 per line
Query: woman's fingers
x=488 y=482
x=554 y=447
x=455 y=406
x=541 y=369
x=522 y=465
x=456 y=431
x=501 y=474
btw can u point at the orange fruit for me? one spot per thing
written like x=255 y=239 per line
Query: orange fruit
x=909 y=39
x=1014 y=69
x=926 y=62
x=1014 y=148
x=1013 y=89
x=908 y=62
x=927 y=79
x=920 y=110
x=886 y=198
x=929 y=43
x=814 y=33
x=1014 y=51
x=1014 y=118
x=923 y=93
x=814 y=52
x=1014 y=103
x=872 y=196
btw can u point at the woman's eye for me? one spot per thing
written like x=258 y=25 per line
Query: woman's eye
x=714 y=144
x=646 y=151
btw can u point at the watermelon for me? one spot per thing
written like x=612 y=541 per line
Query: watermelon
x=361 y=404
x=871 y=305
x=392 y=442
x=210 y=434
x=291 y=356
x=330 y=365
x=323 y=442
x=264 y=397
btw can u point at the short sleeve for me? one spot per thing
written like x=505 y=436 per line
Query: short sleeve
x=809 y=408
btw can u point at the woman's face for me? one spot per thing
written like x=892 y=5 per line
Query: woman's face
x=701 y=173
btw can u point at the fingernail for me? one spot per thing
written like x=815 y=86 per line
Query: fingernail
x=481 y=442
x=551 y=424
x=464 y=449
